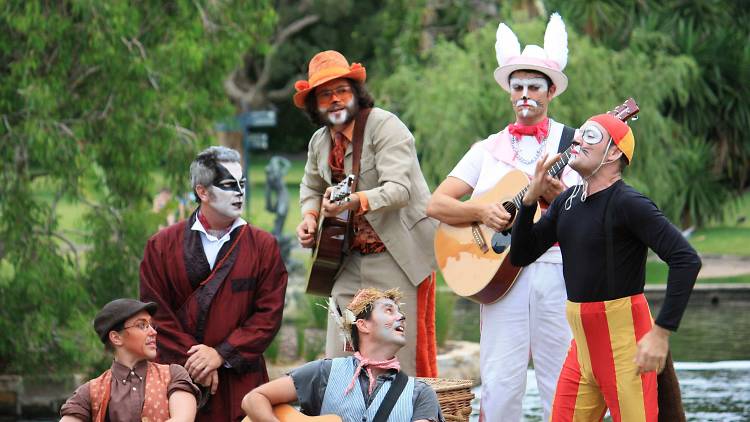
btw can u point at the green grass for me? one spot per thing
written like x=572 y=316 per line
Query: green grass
x=722 y=241
x=729 y=235
x=656 y=273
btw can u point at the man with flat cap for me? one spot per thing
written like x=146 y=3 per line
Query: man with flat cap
x=134 y=388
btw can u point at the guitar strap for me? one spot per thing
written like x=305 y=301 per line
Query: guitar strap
x=566 y=140
x=668 y=387
x=360 y=122
x=359 y=133
x=391 y=397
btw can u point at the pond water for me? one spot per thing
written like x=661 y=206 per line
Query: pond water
x=711 y=352
x=712 y=359
x=706 y=334
x=717 y=391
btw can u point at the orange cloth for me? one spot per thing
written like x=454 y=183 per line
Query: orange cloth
x=366 y=240
x=364 y=203
x=426 y=339
x=336 y=161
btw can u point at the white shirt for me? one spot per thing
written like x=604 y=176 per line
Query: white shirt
x=481 y=170
x=212 y=244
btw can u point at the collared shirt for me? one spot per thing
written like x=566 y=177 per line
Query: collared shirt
x=311 y=380
x=366 y=240
x=212 y=244
x=128 y=393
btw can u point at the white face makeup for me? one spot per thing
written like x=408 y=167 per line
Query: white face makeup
x=228 y=190
x=590 y=134
x=588 y=153
x=530 y=84
x=390 y=323
x=527 y=88
x=339 y=115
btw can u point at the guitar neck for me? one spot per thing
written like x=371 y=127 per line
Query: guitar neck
x=628 y=110
x=553 y=171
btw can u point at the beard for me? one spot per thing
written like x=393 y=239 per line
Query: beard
x=339 y=117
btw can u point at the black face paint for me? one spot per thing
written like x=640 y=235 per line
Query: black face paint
x=225 y=181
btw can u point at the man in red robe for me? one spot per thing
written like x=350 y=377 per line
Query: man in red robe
x=220 y=286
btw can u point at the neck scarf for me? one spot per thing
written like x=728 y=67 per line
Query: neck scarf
x=368 y=365
x=539 y=130
x=218 y=233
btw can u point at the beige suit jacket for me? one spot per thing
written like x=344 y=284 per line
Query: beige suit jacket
x=396 y=190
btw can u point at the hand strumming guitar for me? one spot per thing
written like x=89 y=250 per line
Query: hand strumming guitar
x=306 y=230
x=494 y=216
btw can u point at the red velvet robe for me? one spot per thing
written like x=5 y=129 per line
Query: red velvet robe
x=235 y=309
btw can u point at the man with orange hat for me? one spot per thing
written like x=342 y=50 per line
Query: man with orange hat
x=604 y=228
x=391 y=246
x=528 y=323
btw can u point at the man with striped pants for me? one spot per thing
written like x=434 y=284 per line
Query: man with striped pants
x=605 y=229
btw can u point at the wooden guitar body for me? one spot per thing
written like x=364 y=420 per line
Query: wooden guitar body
x=465 y=254
x=472 y=257
x=328 y=254
x=286 y=413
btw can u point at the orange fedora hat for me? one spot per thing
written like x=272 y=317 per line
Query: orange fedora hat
x=326 y=66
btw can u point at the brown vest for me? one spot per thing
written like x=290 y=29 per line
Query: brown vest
x=155 y=404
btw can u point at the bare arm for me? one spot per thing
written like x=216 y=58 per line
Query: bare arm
x=182 y=407
x=258 y=403
x=446 y=206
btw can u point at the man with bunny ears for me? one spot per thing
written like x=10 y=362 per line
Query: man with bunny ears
x=529 y=321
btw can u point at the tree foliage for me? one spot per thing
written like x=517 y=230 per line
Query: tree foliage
x=96 y=98
x=452 y=101
x=715 y=34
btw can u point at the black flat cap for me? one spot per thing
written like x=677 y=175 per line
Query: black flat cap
x=116 y=312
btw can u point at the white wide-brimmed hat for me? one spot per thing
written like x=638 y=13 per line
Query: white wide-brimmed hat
x=550 y=60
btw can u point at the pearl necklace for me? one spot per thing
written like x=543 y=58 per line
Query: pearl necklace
x=517 y=150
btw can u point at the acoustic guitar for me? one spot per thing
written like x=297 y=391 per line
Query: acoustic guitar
x=330 y=242
x=473 y=257
x=286 y=413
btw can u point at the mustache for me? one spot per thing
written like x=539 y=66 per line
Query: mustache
x=528 y=101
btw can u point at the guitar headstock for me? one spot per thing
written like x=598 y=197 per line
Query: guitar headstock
x=626 y=111
x=342 y=190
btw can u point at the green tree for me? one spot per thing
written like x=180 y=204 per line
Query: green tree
x=452 y=101
x=97 y=98
x=713 y=33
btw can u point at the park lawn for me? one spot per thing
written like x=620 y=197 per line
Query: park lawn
x=722 y=240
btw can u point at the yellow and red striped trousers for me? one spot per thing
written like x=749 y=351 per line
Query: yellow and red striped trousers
x=599 y=372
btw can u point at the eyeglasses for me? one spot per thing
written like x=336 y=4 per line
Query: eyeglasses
x=141 y=324
x=326 y=96
x=590 y=134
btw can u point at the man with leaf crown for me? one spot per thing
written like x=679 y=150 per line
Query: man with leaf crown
x=369 y=386
x=529 y=321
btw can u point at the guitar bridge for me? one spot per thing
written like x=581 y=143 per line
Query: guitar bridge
x=476 y=232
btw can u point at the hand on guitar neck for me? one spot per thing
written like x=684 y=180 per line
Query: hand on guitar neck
x=543 y=184
x=336 y=200
x=336 y=207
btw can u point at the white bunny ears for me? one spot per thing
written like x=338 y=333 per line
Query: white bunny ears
x=550 y=60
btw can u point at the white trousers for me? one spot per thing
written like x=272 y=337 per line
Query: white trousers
x=528 y=323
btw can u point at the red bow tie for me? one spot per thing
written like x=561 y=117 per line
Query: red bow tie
x=539 y=130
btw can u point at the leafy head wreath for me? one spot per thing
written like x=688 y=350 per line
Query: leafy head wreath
x=362 y=302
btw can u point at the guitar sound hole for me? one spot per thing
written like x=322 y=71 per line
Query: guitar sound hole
x=501 y=241
x=511 y=208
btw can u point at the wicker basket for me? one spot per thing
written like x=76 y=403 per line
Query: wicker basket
x=454 y=396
